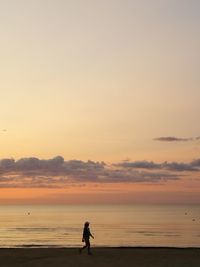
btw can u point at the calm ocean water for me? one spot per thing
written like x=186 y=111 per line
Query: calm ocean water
x=126 y=225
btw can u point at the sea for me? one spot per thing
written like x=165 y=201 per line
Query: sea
x=111 y=225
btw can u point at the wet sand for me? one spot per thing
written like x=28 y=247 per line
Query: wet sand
x=109 y=257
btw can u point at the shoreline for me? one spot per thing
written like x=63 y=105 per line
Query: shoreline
x=95 y=247
x=32 y=246
x=102 y=257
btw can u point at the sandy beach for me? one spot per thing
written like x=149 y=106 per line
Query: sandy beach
x=139 y=257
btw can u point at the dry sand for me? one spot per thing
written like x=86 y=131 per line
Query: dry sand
x=139 y=257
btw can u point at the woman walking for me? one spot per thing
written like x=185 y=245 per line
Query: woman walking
x=86 y=238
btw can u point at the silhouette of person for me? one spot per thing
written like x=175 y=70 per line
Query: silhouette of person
x=86 y=238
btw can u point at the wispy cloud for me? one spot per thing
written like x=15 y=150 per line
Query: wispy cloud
x=172 y=139
x=56 y=172
x=176 y=139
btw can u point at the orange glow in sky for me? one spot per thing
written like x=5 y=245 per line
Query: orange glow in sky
x=104 y=81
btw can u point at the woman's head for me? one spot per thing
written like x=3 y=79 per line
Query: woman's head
x=87 y=224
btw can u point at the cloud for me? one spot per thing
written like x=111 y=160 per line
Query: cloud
x=195 y=163
x=56 y=172
x=176 y=139
x=172 y=139
x=139 y=164
x=172 y=166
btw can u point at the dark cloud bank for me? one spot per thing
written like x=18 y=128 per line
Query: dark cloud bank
x=56 y=172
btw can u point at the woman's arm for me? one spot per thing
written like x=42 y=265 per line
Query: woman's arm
x=91 y=234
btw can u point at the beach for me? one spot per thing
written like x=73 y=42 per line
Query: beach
x=108 y=257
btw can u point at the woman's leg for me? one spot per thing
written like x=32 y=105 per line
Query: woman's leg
x=88 y=246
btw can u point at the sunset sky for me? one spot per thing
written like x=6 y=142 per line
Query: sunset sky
x=99 y=101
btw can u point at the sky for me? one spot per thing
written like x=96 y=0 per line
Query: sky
x=99 y=101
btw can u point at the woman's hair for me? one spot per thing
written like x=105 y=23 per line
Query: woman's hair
x=87 y=223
